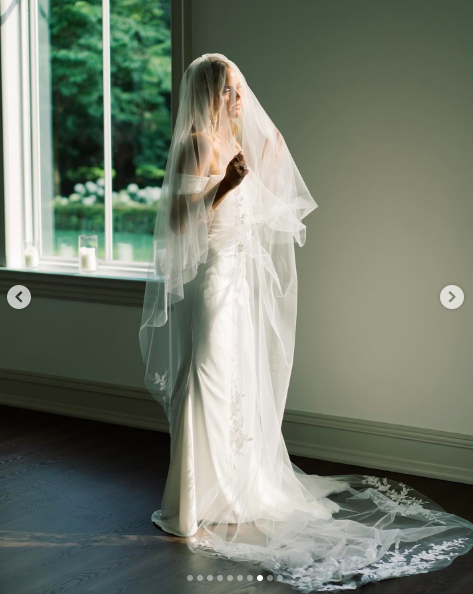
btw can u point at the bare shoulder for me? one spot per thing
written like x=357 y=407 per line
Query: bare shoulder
x=202 y=140
x=197 y=153
x=202 y=134
x=203 y=147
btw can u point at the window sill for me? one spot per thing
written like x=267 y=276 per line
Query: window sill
x=115 y=286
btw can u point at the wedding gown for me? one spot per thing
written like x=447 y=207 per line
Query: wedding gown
x=224 y=490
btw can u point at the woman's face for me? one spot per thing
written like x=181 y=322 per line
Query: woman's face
x=231 y=93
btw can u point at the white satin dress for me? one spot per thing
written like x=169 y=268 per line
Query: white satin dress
x=213 y=427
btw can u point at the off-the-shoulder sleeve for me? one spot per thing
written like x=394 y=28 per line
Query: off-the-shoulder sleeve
x=191 y=184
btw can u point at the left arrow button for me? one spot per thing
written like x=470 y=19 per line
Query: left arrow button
x=19 y=297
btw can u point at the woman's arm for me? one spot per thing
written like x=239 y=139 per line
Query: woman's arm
x=222 y=191
x=182 y=202
x=195 y=160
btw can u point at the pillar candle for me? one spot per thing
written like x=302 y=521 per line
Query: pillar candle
x=88 y=262
x=31 y=257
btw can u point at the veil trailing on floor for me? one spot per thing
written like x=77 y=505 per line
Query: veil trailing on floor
x=221 y=294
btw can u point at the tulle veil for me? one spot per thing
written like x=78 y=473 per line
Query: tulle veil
x=324 y=533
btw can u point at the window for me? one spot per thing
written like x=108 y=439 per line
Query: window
x=88 y=122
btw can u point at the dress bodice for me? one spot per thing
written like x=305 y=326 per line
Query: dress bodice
x=227 y=216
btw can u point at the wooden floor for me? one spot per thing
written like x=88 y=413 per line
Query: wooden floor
x=76 y=499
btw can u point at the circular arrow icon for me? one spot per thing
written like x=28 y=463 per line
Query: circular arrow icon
x=19 y=297
x=451 y=297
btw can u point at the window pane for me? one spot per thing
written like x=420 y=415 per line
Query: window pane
x=140 y=56
x=71 y=124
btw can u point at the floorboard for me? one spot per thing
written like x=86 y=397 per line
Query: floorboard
x=76 y=498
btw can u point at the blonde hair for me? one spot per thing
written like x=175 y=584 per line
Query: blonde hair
x=219 y=67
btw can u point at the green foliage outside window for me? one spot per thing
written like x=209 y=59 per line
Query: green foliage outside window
x=140 y=92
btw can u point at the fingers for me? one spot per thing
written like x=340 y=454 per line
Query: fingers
x=238 y=157
x=239 y=163
x=243 y=170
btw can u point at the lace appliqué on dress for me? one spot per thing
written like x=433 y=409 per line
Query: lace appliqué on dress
x=243 y=231
x=237 y=437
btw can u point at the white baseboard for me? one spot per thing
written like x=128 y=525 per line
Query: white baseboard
x=372 y=444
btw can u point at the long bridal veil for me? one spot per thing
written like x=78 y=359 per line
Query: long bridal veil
x=325 y=533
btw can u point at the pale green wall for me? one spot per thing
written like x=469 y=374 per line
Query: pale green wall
x=374 y=99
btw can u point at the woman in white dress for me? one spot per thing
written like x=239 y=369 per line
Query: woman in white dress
x=217 y=338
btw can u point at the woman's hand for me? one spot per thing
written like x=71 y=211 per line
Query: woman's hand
x=236 y=171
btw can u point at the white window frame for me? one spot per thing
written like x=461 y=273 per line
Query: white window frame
x=20 y=90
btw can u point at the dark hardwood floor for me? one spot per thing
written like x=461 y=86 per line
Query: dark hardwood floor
x=76 y=499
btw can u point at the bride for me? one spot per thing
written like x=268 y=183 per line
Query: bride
x=217 y=337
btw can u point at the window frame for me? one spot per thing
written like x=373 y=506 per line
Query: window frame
x=19 y=127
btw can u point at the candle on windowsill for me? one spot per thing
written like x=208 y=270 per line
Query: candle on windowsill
x=31 y=257
x=87 y=259
x=125 y=252
x=66 y=251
